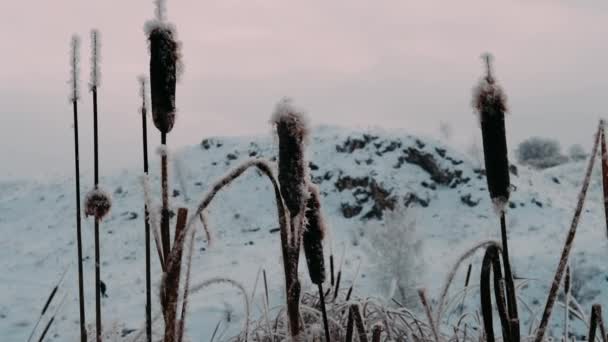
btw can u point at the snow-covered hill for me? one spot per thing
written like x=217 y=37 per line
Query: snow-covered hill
x=361 y=175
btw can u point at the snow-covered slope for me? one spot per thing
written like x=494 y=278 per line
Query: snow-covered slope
x=360 y=174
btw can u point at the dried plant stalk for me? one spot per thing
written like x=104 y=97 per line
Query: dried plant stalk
x=74 y=98
x=604 y=171
x=563 y=261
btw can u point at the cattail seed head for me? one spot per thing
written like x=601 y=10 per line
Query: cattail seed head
x=97 y=203
x=164 y=65
x=95 y=59
x=74 y=68
x=490 y=103
x=313 y=236
x=143 y=93
x=292 y=131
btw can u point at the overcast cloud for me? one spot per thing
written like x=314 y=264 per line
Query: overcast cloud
x=406 y=64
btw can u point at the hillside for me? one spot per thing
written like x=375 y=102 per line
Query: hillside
x=362 y=176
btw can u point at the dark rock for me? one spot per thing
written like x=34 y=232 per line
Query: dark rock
x=253 y=153
x=347 y=183
x=313 y=166
x=428 y=163
x=555 y=180
x=440 y=151
x=232 y=156
x=176 y=193
x=412 y=198
x=349 y=210
x=274 y=230
x=538 y=203
x=352 y=144
x=467 y=199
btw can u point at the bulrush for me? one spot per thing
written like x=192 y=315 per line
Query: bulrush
x=490 y=103
x=164 y=57
x=292 y=131
x=97 y=202
x=313 y=236
x=74 y=96
x=313 y=247
x=164 y=70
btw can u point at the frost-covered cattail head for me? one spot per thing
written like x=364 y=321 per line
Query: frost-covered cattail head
x=95 y=59
x=97 y=203
x=292 y=130
x=490 y=103
x=313 y=236
x=74 y=68
x=164 y=65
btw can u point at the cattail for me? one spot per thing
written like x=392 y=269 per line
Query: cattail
x=97 y=203
x=490 y=103
x=164 y=61
x=566 y=303
x=95 y=59
x=74 y=96
x=313 y=236
x=292 y=130
x=164 y=68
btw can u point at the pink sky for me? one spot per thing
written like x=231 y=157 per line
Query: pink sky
x=406 y=64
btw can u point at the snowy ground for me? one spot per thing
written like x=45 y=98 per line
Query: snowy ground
x=38 y=229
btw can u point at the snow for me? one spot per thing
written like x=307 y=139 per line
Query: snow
x=38 y=221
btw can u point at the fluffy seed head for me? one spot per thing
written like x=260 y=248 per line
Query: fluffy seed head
x=97 y=203
x=142 y=91
x=489 y=101
x=74 y=67
x=292 y=131
x=164 y=65
x=313 y=236
x=95 y=59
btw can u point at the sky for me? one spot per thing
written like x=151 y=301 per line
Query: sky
x=386 y=63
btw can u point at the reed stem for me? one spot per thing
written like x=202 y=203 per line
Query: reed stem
x=83 y=331
x=146 y=219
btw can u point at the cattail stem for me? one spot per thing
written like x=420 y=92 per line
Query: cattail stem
x=97 y=256
x=509 y=284
x=83 y=332
x=146 y=215
x=563 y=261
x=604 y=159
x=165 y=233
x=324 y=313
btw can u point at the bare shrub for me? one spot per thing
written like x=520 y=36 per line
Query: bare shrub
x=540 y=153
